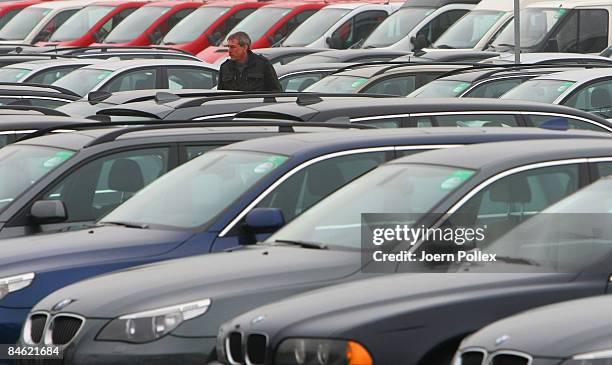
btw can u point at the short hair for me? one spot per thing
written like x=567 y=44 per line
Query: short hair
x=242 y=38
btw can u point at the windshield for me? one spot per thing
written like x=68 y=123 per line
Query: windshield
x=469 y=30
x=80 y=23
x=396 y=27
x=8 y=74
x=536 y=24
x=441 y=89
x=135 y=24
x=82 y=81
x=195 y=193
x=397 y=188
x=194 y=25
x=22 y=166
x=545 y=91
x=337 y=84
x=314 y=27
x=259 y=21
x=22 y=24
x=577 y=235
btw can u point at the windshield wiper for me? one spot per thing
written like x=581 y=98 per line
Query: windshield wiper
x=127 y=224
x=304 y=244
x=516 y=260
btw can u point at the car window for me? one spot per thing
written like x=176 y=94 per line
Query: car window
x=191 y=78
x=513 y=199
x=301 y=81
x=142 y=79
x=434 y=29
x=307 y=187
x=195 y=151
x=400 y=86
x=356 y=29
x=48 y=77
x=476 y=120
x=493 y=89
x=543 y=121
x=33 y=101
x=112 y=23
x=383 y=122
x=283 y=31
x=99 y=186
x=594 y=98
x=53 y=24
x=8 y=16
x=603 y=168
x=585 y=31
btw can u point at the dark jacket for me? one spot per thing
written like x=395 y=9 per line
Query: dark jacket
x=259 y=75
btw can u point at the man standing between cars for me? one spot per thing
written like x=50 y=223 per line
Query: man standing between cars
x=245 y=70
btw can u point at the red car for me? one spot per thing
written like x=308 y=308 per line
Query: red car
x=92 y=23
x=10 y=8
x=149 y=24
x=209 y=24
x=268 y=25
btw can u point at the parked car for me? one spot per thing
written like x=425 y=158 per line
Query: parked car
x=11 y=8
x=386 y=79
x=36 y=23
x=298 y=77
x=349 y=55
x=417 y=112
x=139 y=75
x=589 y=90
x=208 y=25
x=481 y=82
x=149 y=23
x=268 y=25
x=341 y=25
x=282 y=55
x=43 y=72
x=541 y=33
x=92 y=23
x=14 y=127
x=458 y=55
x=35 y=95
x=417 y=24
x=549 y=58
x=318 y=249
x=124 y=53
x=88 y=106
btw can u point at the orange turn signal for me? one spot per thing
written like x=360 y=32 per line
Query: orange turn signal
x=357 y=354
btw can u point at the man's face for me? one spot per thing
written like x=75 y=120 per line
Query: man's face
x=236 y=51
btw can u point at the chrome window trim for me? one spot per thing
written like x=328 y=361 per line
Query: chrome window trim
x=246 y=347
x=305 y=72
x=48 y=333
x=493 y=179
x=27 y=328
x=490 y=80
x=380 y=117
x=305 y=164
x=215 y=116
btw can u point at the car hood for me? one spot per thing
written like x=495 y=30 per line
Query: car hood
x=216 y=276
x=558 y=331
x=352 y=305
x=46 y=252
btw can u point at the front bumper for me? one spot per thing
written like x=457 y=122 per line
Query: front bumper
x=167 y=350
x=11 y=321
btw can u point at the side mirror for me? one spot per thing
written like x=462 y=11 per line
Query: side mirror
x=264 y=220
x=334 y=42
x=98 y=36
x=551 y=45
x=98 y=96
x=48 y=211
x=419 y=42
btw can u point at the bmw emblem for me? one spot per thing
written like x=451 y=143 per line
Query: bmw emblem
x=258 y=319
x=62 y=304
x=500 y=340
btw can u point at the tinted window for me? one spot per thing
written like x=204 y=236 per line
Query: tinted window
x=50 y=76
x=603 y=168
x=313 y=183
x=190 y=78
x=300 y=82
x=101 y=185
x=356 y=29
x=196 y=151
x=400 y=86
x=53 y=24
x=511 y=200
x=543 y=120
x=112 y=23
x=595 y=98
x=584 y=31
x=287 y=28
x=476 y=120
x=493 y=89
x=437 y=26
x=143 y=79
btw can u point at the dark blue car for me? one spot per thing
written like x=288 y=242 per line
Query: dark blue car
x=215 y=202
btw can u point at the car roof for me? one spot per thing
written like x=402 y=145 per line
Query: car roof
x=581 y=75
x=18 y=122
x=504 y=155
x=64 y=4
x=568 y=4
x=343 y=54
x=365 y=107
x=388 y=69
x=42 y=64
x=353 y=139
x=127 y=64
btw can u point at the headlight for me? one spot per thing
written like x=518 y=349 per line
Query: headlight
x=307 y=351
x=151 y=325
x=14 y=283
x=591 y=358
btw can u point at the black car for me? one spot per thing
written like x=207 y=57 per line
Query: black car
x=417 y=112
x=285 y=55
x=420 y=314
x=447 y=56
x=35 y=95
x=321 y=247
x=350 y=55
x=15 y=126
